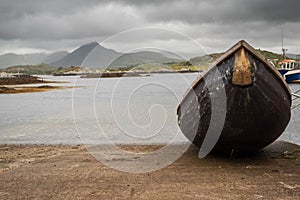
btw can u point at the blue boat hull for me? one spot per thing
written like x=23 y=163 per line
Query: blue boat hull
x=292 y=78
x=283 y=71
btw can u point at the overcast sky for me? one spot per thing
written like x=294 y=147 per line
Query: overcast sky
x=49 y=25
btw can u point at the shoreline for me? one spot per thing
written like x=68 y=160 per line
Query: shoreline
x=70 y=171
x=43 y=88
x=16 y=84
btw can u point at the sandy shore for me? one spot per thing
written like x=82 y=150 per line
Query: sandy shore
x=70 y=172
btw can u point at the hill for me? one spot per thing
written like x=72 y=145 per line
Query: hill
x=42 y=69
x=12 y=59
x=293 y=56
x=270 y=55
x=139 y=58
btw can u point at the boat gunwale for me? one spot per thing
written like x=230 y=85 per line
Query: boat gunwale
x=229 y=53
x=291 y=72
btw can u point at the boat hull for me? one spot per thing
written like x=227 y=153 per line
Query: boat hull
x=283 y=71
x=293 y=76
x=255 y=114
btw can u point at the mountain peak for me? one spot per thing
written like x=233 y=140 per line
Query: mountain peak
x=94 y=44
x=79 y=56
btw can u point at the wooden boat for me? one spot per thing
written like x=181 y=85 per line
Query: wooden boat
x=241 y=104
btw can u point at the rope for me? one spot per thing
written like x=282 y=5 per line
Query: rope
x=297 y=91
x=297 y=96
x=296 y=106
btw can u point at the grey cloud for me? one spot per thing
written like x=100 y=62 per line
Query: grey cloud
x=224 y=11
x=19 y=8
x=73 y=20
x=49 y=24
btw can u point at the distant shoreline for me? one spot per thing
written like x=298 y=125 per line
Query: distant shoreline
x=130 y=74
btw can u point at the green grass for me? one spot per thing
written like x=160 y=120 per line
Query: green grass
x=270 y=55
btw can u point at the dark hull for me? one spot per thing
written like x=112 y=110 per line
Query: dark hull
x=255 y=114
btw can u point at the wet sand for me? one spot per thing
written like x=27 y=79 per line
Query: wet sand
x=70 y=172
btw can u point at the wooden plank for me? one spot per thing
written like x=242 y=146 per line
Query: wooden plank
x=242 y=70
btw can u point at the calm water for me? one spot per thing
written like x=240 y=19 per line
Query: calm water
x=121 y=110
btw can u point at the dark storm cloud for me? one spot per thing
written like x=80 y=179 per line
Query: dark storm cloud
x=19 y=8
x=47 y=24
x=225 y=11
x=58 y=19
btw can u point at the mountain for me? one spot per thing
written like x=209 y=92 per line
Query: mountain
x=89 y=55
x=12 y=59
x=94 y=55
x=55 y=57
x=99 y=57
